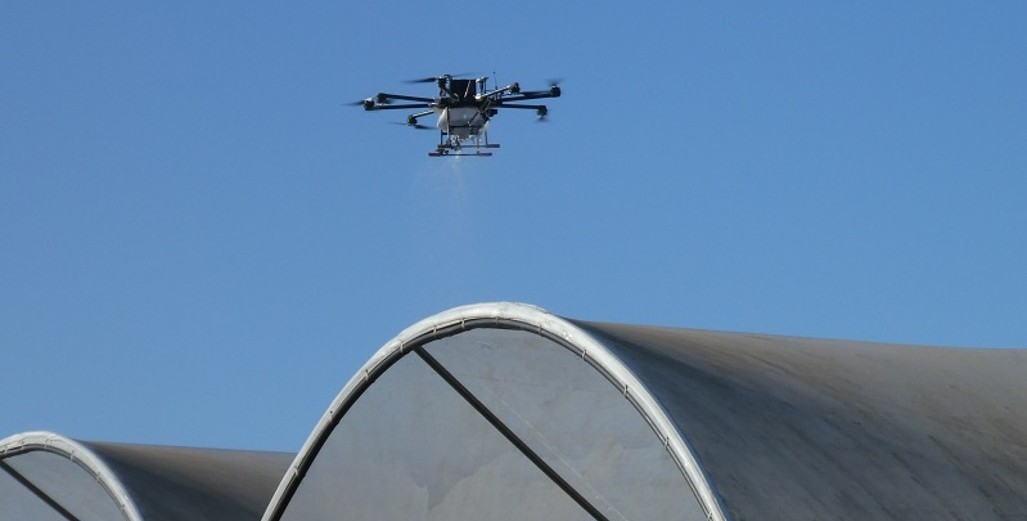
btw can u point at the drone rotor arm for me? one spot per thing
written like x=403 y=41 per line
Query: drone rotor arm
x=412 y=119
x=405 y=106
x=506 y=105
x=541 y=110
x=553 y=92
x=513 y=89
x=530 y=95
x=385 y=97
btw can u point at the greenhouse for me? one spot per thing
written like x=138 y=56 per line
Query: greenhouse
x=48 y=477
x=505 y=411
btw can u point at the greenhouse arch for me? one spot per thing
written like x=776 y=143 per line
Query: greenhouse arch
x=560 y=425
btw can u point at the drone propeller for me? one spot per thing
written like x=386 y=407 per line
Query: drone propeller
x=367 y=103
x=434 y=79
x=418 y=126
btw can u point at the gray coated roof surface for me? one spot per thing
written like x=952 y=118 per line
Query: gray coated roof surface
x=793 y=428
x=177 y=483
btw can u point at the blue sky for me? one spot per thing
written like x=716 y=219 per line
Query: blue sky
x=201 y=242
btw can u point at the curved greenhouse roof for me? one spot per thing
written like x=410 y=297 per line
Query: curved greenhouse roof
x=45 y=476
x=506 y=411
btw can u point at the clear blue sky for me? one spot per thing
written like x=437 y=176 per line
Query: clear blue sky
x=200 y=243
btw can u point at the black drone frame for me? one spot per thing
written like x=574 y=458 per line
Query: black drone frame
x=457 y=93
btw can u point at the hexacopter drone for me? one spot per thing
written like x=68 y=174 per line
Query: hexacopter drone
x=464 y=107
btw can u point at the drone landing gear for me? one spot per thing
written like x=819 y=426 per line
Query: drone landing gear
x=449 y=150
x=458 y=154
x=454 y=148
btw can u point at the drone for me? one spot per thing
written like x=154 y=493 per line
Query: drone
x=464 y=108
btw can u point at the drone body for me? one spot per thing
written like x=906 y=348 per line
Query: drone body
x=463 y=109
